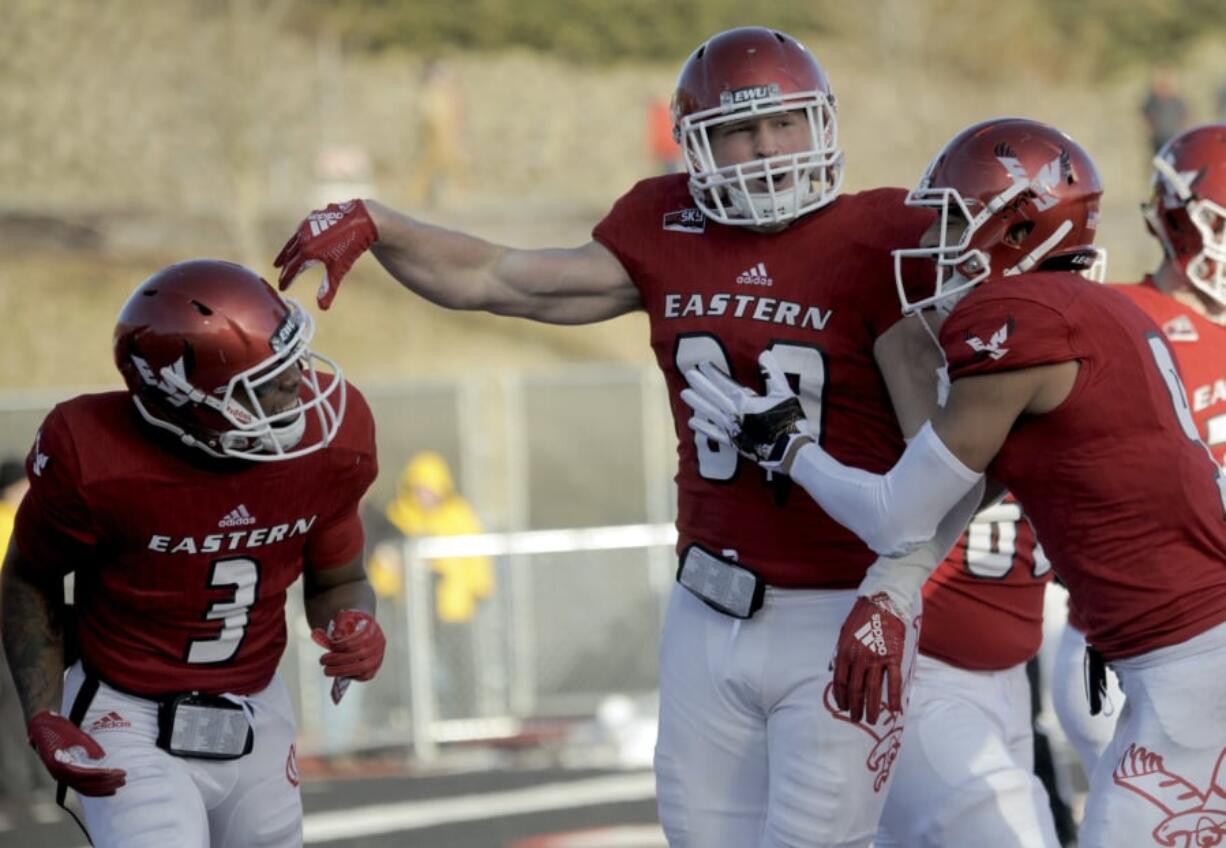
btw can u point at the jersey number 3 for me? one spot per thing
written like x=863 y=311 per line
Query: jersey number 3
x=718 y=462
x=244 y=575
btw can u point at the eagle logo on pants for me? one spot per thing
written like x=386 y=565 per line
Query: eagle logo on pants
x=1194 y=818
x=887 y=732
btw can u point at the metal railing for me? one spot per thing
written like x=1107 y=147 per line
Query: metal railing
x=518 y=659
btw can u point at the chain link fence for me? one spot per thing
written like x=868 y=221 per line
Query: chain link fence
x=571 y=469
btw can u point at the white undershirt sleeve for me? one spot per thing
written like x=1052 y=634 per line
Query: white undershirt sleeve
x=902 y=577
x=895 y=512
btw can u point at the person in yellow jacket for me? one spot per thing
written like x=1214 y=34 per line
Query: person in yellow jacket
x=13 y=486
x=427 y=504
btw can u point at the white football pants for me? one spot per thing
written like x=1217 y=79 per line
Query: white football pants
x=1162 y=779
x=751 y=753
x=1088 y=733
x=965 y=777
x=191 y=803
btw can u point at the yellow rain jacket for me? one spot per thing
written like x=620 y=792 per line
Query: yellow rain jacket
x=463 y=580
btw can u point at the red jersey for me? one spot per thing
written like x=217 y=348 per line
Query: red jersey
x=1126 y=498
x=1200 y=351
x=983 y=607
x=182 y=561
x=818 y=293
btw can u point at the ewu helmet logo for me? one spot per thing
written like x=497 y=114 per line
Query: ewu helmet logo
x=730 y=99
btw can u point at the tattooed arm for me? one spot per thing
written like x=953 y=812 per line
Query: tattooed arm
x=32 y=623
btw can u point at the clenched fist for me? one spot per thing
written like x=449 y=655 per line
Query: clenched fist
x=355 y=645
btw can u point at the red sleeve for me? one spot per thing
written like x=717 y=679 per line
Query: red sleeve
x=53 y=525
x=621 y=230
x=338 y=537
x=889 y=225
x=986 y=334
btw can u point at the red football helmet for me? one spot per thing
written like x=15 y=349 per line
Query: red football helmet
x=1011 y=194
x=751 y=73
x=199 y=343
x=1188 y=209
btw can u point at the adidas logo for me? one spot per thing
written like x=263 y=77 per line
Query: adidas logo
x=871 y=637
x=755 y=276
x=320 y=221
x=110 y=721
x=1181 y=329
x=238 y=517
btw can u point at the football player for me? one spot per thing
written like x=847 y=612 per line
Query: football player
x=1067 y=394
x=1186 y=297
x=186 y=506
x=753 y=249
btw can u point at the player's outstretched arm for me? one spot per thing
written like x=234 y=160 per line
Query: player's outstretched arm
x=459 y=271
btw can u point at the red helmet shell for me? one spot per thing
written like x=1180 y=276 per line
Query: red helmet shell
x=219 y=317
x=751 y=74
x=1187 y=211
x=740 y=65
x=1011 y=195
x=983 y=162
x=197 y=342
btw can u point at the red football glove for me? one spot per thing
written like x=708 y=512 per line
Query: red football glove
x=871 y=645
x=335 y=236
x=355 y=644
x=65 y=750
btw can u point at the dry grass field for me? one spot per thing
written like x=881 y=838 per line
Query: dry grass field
x=136 y=141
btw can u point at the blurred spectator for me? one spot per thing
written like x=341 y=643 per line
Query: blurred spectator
x=664 y=150
x=13 y=485
x=438 y=167
x=1164 y=110
x=20 y=770
x=427 y=504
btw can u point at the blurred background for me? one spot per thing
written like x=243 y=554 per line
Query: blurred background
x=135 y=133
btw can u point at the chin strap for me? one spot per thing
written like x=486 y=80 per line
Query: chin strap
x=1033 y=257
